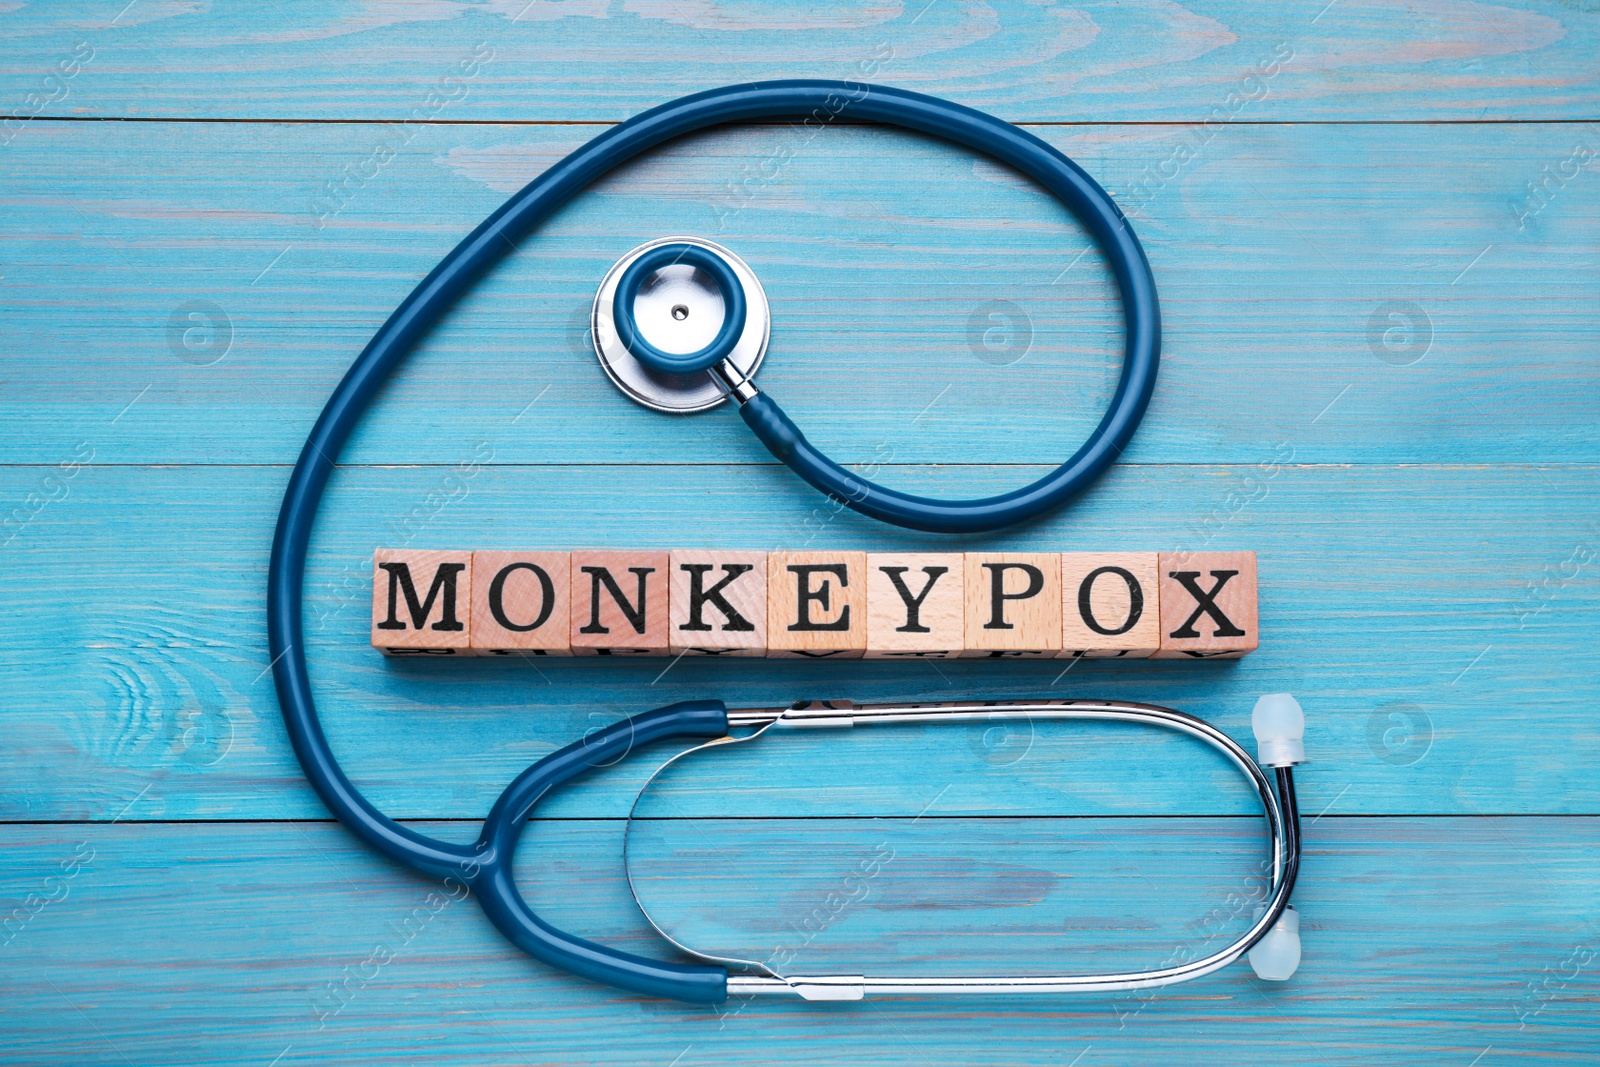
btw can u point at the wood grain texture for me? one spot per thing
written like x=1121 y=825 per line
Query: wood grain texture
x=1110 y=605
x=1013 y=605
x=155 y=675
x=619 y=602
x=421 y=601
x=1280 y=253
x=718 y=603
x=521 y=604
x=1210 y=607
x=578 y=60
x=916 y=605
x=816 y=605
x=235 y=966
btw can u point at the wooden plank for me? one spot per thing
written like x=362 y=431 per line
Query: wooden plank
x=1352 y=284
x=1431 y=641
x=1426 y=941
x=573 y=60
x=1350 y=293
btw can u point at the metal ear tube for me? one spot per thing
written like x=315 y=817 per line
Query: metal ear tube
x=1268 y=934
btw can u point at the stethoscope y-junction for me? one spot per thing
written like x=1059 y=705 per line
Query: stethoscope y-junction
x=681 y=324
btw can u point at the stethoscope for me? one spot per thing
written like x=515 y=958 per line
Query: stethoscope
x=680 y=325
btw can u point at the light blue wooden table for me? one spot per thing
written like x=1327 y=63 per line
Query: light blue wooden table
x=1376 y=230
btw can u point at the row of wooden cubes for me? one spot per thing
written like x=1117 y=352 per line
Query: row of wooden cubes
x=815 y=604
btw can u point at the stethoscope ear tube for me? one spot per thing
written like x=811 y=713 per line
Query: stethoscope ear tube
x=493 y=881
x=1283 y=851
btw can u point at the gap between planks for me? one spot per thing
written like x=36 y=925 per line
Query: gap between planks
x=956 y=816
x=1026 y=124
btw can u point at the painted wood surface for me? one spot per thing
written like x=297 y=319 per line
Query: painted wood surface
x=1378 y=280
x=575 y=60
x=1365 y=292
x=1426 y=941
x=1435 y=644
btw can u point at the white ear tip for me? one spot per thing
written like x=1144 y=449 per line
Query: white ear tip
x=1280 y=728
x=1276 y=956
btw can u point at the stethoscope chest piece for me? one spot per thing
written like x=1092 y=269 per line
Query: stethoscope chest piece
x=678 y=301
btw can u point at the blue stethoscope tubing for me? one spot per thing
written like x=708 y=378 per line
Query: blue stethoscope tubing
x=486 y=865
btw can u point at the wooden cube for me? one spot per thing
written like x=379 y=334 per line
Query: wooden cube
x=521 y=604
x=718 y=604
x=817 y=604
x=916 y=605
x=1110 y=605
x=619 y=603
x=1208 y=605
x=1013 y=606
x=421 y=602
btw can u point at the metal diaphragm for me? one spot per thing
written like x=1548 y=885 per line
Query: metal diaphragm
x=678 y=309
